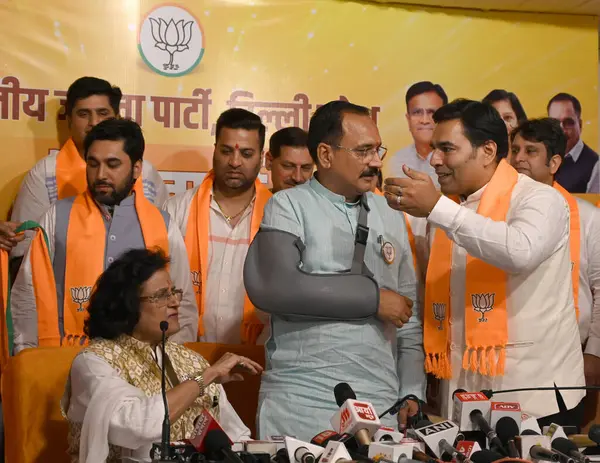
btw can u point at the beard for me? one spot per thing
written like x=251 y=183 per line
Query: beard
x=115 y=194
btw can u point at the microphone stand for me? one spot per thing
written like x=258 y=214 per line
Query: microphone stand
x=165 y=440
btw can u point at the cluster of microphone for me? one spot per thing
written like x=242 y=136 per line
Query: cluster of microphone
x=481 y=431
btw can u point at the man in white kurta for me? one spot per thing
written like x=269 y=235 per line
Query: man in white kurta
x=537 y=150
x=531 y=246
x=89 y=101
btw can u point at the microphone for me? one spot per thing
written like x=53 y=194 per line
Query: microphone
x=203 y=424
x=464 y=404
x=566 y=447
x=302 y=452
x=165 y=453
x=478 y=419
x=537 y=452
x=485 y=456
x=507 y=429
x=218 y=447
x=438 y=437
x=354 y=417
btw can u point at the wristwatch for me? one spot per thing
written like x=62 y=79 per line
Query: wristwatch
x=199 y=379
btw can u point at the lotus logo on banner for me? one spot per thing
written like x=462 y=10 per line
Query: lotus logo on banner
x=171 y=41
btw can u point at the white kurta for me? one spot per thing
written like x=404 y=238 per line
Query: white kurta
x=23 y=296
x=227 y=250
x=532 y=248
x=589 y=277
x=134 y=421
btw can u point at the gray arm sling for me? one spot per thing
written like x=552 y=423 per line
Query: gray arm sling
x=275 y=283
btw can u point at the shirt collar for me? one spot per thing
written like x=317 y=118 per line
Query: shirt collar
x=416 y=153
x=327 y=193
x=576 y=150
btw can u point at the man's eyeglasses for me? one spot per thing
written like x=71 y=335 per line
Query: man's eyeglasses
x=366 y=155
x=163 y=296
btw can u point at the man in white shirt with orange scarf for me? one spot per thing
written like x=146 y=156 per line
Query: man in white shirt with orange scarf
x=218 y=220
x=82 y=235
x=499 y=310
x=538 y=147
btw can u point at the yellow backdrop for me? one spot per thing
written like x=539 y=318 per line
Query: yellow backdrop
x=290 y=55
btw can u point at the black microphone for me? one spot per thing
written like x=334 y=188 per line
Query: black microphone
x=537 y=452
x=165 y=453
x=489 y=393
x=566 y=447
x=477 y=418
x=594 y=433
x=218 y=447
x=485 y=456
x=507 y=429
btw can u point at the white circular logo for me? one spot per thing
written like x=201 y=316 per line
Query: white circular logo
x=171 y=41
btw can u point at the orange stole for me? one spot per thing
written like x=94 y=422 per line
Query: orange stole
x=486 y=328
x=196 y=243
x=70 y=171
x=574 y=241
x=84 y=264
x=4 y=289
x=411 y=236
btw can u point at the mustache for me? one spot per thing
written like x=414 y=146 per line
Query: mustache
x=97 y=184
x=370 y=172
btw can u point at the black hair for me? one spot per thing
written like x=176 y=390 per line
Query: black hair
x=566 y=97
x=481 y=123
x=85 y=87
x=114 y=307
x=326 y=124
x=503 y=95
x=425 y=87
x=125 y=130
x=544 y=130
x=290 y=136
x=238 y=118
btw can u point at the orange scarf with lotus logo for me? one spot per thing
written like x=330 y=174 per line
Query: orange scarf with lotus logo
x=196 y=243
x=85 y=255
x=486 y=331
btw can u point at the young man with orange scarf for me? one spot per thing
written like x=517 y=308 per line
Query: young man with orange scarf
x=537 y=149
x=82 y=235
x=62 y=175
x=218 y=220
x=499 y=310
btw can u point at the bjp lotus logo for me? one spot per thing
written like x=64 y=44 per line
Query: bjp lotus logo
x=483 y=303
x=439 y=313
x=80 y=295
x=170 y=41
x=197 y=280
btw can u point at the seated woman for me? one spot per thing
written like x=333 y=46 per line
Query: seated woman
x=113 y=398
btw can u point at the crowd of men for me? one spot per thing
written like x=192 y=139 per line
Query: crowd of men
x=472 y=261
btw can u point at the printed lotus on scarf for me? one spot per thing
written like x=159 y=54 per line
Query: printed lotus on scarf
x=80 y=295
x=482 y=303
x=172 y=37
x=196 y=280
x=439 y=312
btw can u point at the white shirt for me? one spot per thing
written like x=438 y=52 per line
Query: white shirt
x=39 y=191
x=532 y=248
x=227 y=250
x=589 y=276
x=136 y=423
x=593 y=185
x=414 y=161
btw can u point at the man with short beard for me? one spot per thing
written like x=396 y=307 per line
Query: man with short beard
x=82 y=235
x=218 y=220
x=332 y=265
